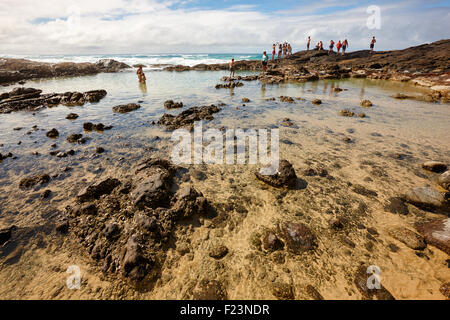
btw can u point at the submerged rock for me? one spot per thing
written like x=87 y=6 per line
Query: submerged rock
x=287 y=99
x=229 y=85
x=316 y=102
x=210 y=290
x=435 y=166
x=444 y=180
x=52 y=133
x=362 y=277
x=96 y=190
x=30 y=182
x=366 y=103
x=73 y=138
x=32 y=99
x=218 y=251
x=408 y=237
x=436 y=233
x=170 y=104
x=284 y=178
x=71 y=116
x=282 y=291
x=396 y=205
x=298 y=237
x=125 y=108
x=127 y=230
x=425 y=197
x=346 y=113
x=188 y=117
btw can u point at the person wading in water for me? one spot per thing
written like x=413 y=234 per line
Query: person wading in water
x=141 y=75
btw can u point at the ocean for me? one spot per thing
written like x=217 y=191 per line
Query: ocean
x=152 y=61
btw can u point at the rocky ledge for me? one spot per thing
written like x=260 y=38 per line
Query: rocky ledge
x=126 y=225
x=32 y=99
x=15 y=70
x=426 y=65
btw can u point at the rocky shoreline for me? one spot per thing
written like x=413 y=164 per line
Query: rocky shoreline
x=19 y=70
x=426 y=65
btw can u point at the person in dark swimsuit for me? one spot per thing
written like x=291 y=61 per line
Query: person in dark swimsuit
x=331 y=47
x=372 y=44
x=344 y=46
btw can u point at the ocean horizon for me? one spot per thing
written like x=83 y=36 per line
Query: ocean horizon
x=150 y=60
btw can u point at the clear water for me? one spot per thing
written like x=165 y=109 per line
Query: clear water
x=416 y=129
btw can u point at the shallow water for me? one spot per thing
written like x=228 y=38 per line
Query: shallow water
x=417 y=130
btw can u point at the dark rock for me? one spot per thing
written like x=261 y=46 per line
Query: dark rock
x=287 y=99
x=436 y=233
x=361 y=279
x=170 y=104
x=188 y=117
x=425 y=197
x=88 y=126
x=111 y=230
x=445 y=290
x=408 y=237
x=364 y=191
x=313 y=293
x=218 y=251
x=62 y=226
x=96 y=190
x=229 y=85
x=366 y=103
x=271 y=242
x=46 y=194
x=126 y=108
x=73 y=138
x=284 y=178
x=28 y=183
x=346 y=113
x=444 y=180
x=5 y=234
x=434 y=166
x=396 y=205
x=316 y=102
x=283 y=291
x=210 y=290
x=245 y=100
x=99 y=150
x=298 y=237
x=71 y=116
x=52 y=133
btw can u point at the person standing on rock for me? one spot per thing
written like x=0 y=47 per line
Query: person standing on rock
x=331 y=47
x=279 y=51
x=232 y=68
x=344 y=46
x=372 y=44
x=141 y=75
x=264 y=61
x=338 y=47
x=274 y=50
x=320 y=45
x=308 y=43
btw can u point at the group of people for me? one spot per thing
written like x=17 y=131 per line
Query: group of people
x=284 y=50
x=340 y=45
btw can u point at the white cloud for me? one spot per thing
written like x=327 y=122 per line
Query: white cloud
x=134 y=26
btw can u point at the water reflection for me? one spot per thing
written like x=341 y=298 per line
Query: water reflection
x=143 y=87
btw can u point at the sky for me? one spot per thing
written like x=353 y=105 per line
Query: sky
x=202 y=26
